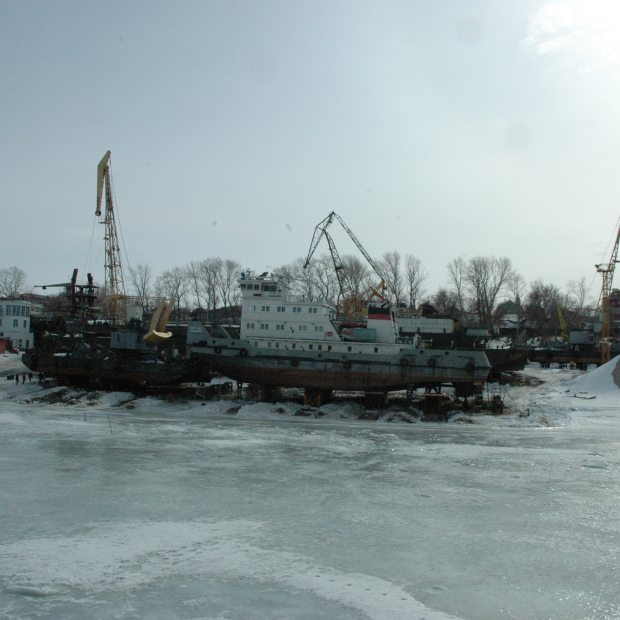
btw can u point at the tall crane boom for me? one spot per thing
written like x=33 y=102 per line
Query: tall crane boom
x=607 y=272
x=320 y=231
x=114 y=278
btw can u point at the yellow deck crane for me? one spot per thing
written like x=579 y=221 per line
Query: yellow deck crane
x=114 y=278
x=607 y=272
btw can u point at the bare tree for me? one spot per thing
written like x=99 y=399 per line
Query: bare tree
x=515 y=285
x=415 y=275
x=141 y=278
x=486 y=277
x=12 y=282
x=578 y=293
x=446 y=301
x=227 y=282
x=355 y=276
x=391 y=264
x=287 y=273
x=541 y=307
x=209 y=275
x=458 y=270
x=326 y=282
x=193 y=274
x=175 y=284
x=305 y=280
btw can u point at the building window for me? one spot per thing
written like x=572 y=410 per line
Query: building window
x=264 y=325
x=318 y=328
x=25 y=324
x=249 y=325
x=14 y=322
x=265 y=308
x=303 y=328
x=296 y=309
x=312 y=310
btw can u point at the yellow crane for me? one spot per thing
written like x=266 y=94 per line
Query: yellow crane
x=114 y=279
x=607 y=272
x=563 y=324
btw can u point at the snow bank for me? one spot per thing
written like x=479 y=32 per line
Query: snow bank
x=602 y=383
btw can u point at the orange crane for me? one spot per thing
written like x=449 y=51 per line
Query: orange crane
x=607 y=272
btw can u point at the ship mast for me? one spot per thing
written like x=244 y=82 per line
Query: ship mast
x=114 y=278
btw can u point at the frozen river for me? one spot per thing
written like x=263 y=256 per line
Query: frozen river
x=169 y=512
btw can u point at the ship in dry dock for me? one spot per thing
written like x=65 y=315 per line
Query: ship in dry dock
x=286 y=341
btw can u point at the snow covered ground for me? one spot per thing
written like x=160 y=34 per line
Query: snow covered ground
x=116 y=507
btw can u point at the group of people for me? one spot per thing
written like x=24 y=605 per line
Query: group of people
x=23 y=377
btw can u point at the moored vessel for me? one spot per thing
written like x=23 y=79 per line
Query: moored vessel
x=285 y=341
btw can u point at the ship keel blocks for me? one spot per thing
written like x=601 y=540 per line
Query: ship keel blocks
x=317 y=398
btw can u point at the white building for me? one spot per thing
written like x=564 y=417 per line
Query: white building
x=15 y=322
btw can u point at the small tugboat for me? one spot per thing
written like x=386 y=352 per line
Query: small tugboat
x=289 y=342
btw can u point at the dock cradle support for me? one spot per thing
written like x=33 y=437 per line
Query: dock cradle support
x=317 y=398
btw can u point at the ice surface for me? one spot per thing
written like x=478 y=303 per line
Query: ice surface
x=117 y=508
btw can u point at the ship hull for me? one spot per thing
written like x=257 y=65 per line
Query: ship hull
x=106 y=371
x=407 y=368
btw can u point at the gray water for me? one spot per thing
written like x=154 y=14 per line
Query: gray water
x=164 y=514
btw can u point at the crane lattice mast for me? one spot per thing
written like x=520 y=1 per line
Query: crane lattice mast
x=320 y=231
x=607 y=272
x=114 y=278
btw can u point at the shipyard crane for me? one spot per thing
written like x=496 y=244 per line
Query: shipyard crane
x=607 y=272
x=114 y=278
x=320 y=231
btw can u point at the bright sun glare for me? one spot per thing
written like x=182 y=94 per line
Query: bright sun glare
x=586 y=30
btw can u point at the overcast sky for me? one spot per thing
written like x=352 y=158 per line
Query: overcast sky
x=438 y=129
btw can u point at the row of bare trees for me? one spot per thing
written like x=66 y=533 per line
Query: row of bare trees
x=208 y=284
x=475 y=287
